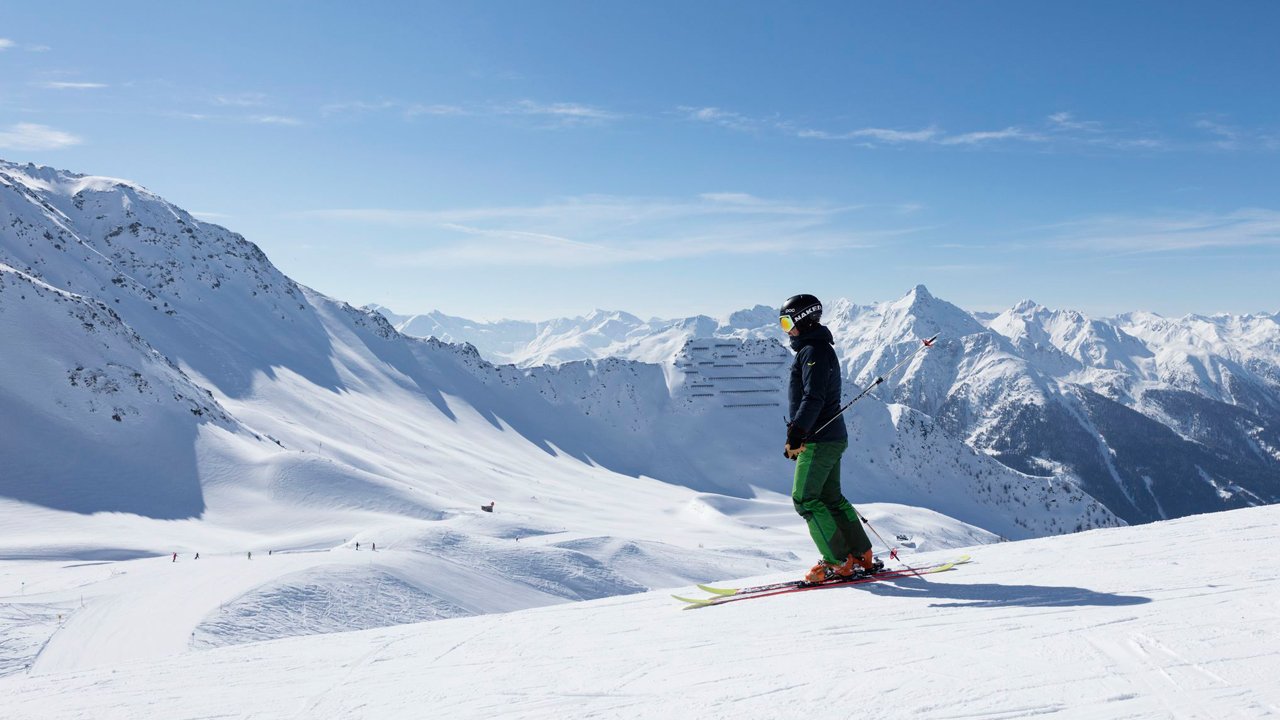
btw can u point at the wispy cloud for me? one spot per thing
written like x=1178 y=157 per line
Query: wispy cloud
x=273 y=120
x=7 y=44
x=282 y=120
x=1059 y=129
x=1068 y=121
x=984 y=136
x=1225 y=135
x=598 y=230
x=55 y=85
x=869 y=136
x=884 y=135
x=30 y=136
x=733 y=198
x=441 y=110
x=725 y=118
x=356 y=107
x=1248 y=227
x=555 y=114
x=564 y=112
x=247 y=99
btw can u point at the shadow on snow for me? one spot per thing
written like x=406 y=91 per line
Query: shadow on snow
x=993 y=595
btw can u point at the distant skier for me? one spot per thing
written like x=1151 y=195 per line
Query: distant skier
x=357 y=545
x=487 y=508
x=175 y=558
x=249 y=554
x=815 y=399
x=197 y=556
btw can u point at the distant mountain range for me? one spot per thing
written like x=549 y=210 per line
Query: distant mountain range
x=1154 y=417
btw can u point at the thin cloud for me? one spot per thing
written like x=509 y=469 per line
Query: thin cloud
x=274 y=120
x=281 y=120
x=883 y=135
x=249 y=99
x=929 y=135
x=1248 y=227
x=723 y=118
x=557 y=114
x=30 y=136
x=1225 y=135
x=7 y=44
x=732 y=198
x=1228 y=137
x=53 y=85
x=1061 y=128
x=436 y=110
x=356 y=107
x=602 y=230
x=1009 y=133
x=1068 y=121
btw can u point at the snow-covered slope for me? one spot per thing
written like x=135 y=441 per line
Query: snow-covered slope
x=167 y=390
x=313 y=388
x=1171 y=619
x=95 y=419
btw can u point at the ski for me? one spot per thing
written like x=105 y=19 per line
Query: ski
x=797 y=583
x=725 y=595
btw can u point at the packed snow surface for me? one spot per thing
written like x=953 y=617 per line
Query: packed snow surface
x=1178 y=619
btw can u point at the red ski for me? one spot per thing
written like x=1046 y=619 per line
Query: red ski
x=728 y=595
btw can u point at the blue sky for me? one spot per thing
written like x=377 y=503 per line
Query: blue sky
x=537 y=159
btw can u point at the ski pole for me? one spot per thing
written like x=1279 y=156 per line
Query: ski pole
x=923 y=344
x=893 y=551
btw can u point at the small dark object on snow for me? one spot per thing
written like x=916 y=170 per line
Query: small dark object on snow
x=487 y=508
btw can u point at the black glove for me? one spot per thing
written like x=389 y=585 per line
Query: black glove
x=795 y=442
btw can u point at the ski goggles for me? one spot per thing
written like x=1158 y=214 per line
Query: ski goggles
x=786 y=322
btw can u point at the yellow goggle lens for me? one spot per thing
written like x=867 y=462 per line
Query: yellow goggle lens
x=785 y=322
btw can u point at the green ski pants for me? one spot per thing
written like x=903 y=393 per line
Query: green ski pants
x=833 y=523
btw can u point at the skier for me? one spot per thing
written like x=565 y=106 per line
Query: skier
x=175 y=558
x=815 y=399
x=487 y=508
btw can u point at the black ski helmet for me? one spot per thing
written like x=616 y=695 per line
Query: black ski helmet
x=804 y=311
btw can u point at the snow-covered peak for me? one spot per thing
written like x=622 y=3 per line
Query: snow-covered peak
x=918 y=314
x=1026 y=307
x=1064 y=341
x=50 y=180
x=759 y=316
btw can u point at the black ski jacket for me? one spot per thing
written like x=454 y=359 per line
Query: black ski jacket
x=815 y=385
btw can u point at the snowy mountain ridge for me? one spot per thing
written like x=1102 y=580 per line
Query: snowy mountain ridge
x=205 y=298
x=1042 y=390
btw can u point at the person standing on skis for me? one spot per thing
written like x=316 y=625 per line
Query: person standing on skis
x=816 y=439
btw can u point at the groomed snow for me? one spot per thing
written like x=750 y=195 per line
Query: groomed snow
x=1179 y=619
